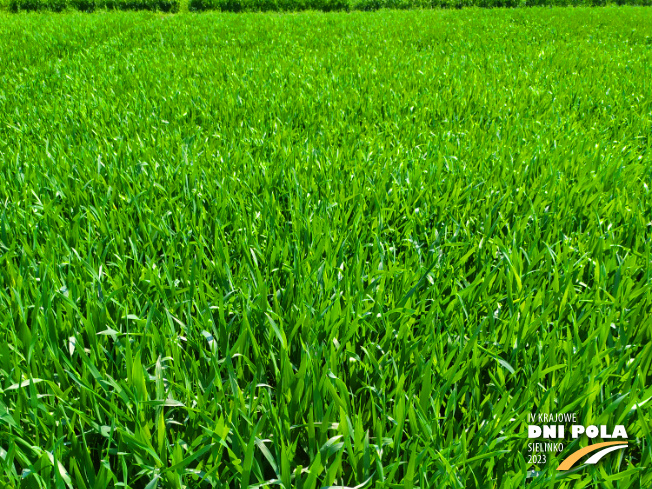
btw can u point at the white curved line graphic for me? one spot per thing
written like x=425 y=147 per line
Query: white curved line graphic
x=596 y=457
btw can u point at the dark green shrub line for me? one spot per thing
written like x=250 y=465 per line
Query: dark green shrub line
x=295 y=5
x=91 y=5
x=368 y=5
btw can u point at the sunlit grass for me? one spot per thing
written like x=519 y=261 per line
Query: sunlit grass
x=320 y=250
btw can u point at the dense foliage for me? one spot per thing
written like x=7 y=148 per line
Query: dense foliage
x=322 y=249
x=291 y=5
x=347 y=5
x=91 y=5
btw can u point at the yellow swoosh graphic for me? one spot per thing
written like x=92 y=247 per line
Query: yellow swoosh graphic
x=575 y=456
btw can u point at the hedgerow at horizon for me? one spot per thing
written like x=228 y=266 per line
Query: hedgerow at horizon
x=173 y=6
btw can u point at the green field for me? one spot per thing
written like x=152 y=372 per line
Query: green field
x=313 y=250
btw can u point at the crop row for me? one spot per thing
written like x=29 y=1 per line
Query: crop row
x=294 y=5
